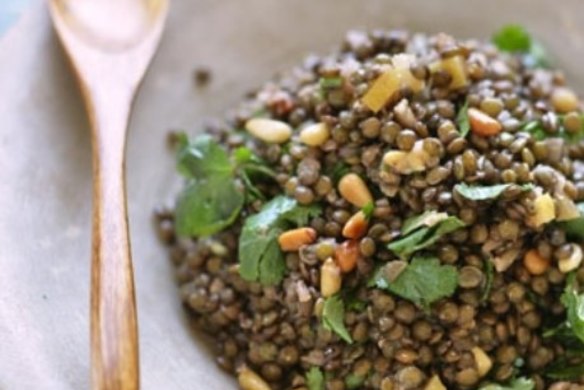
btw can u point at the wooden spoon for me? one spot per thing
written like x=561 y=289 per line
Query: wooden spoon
x=110 y=44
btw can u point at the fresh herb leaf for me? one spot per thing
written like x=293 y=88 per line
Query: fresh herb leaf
x=536 y=129
x=243 y=155
x=575 y=227
x=210 y=202
x=354 y=381
x=333 y=317
x=330 y=82
x=574 y=304
x=368 y=210
x=315 y=379
x=515 y=384
x=462 y=120
x=207 y=206
x=339 y=170
x=485 y=192
x=490 y=275
x=202 y=158
x=259 y=253
x=563 y=369
x=514 y=38
x=424 y=237
x=428 y=218
x=424 y=281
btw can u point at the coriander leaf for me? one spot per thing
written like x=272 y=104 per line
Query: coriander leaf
x=368 y=210
x=428 y=218
x=330 y=82
x=202 y=158
x=424 y=237
x=574 y=304
x=339 y=170
x=406 y=245
x=354 y=381
x=243 y=155
x=515 y=384
x=207 y=206
x=333 y=317
x=425 y=281
x=563 y=369
x=378 y=280
x=300 y=215
x=315 y=379
x=462 y=120
x=535 y=128
x=485 y=192
x=490 y=275
x=512 y=38
x=260 y=256
x=575 y=227
x=253 y=192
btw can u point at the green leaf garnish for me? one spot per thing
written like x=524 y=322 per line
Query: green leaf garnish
x=490 y=275
x=514 y=38
x=462 y=120
x=575 y=227
x=315 y=379
x=210 y=202
x=424 y=237
x=368 y=210
x=515 y=384
x=330 y=82
x=476 y=192
x=428 y=218
x=424 y=281
x=574 y=304
x=260 y=256
x=354 y=381
x=563 y=369
x=333 y=317
x=535 y=128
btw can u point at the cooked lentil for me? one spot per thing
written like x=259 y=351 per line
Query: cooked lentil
x=324 y=131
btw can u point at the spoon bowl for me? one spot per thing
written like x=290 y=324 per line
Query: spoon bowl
x=110 y=44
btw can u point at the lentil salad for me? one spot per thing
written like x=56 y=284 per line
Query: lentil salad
x=405 y=213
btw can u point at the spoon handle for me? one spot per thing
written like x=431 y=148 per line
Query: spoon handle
x=114 y=333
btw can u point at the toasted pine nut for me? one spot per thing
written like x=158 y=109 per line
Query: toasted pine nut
x=269 y=130
x=435 y=384
x=535 y=263
x=482 y=360
x=482 y=124
x=249 y=380
x=292 y=240
x=571 y=263
x=356 y=226
x=354 y=190
x=330 y=278
x=315 y=135
x=564 y=100
x=347 y=255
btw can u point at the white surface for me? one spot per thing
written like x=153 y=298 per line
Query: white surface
x=45 y=161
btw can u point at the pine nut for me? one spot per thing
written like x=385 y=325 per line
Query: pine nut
x=571 y=263
x=249 y=380
x=435 y=384
x=347 y=255
x=269 y=130
x=356 y=226
x=535 y=263
x=564 y=100
x=315 y=135
x=482 y=360
x=353 y=190
x=292 y=240
x=482 y=124
x=330 y=278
